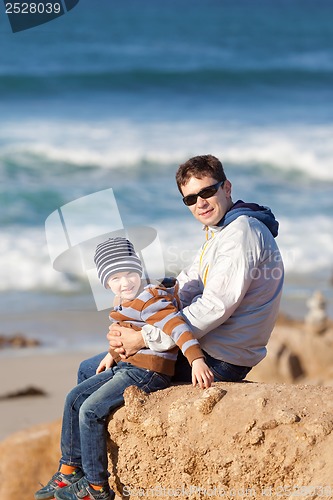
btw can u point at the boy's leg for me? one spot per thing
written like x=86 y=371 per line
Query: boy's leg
x=89 y=366
x=70 y=433
x=70 y=439
x=95 y=410
x=57 y=481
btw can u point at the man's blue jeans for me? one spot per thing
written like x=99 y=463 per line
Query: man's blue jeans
x=222 y=370
x=87 y=406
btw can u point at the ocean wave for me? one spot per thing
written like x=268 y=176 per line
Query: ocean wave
x=52 y=148
x=26 y=264
x=170 y=79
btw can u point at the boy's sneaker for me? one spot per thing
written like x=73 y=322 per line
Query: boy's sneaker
x=81 y=490
x=57 y=481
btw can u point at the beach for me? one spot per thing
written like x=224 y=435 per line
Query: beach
x=48 y=367
x=53 y=374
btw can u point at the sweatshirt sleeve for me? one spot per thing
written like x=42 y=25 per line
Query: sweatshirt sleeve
x=229 y=277
x=155 y=339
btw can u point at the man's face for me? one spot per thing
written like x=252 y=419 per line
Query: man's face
x=211 y=210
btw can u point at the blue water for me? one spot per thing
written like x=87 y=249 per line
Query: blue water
x=118 y=94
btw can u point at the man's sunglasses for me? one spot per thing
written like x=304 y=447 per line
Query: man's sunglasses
x=205 y=193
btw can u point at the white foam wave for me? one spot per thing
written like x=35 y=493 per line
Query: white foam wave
x=111 y=144
x=306 y=244
x=306 y=247
x=26 y=265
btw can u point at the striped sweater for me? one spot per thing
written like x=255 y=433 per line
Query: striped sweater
x=157 y=306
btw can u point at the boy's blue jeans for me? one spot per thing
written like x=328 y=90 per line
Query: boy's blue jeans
x=87 y=406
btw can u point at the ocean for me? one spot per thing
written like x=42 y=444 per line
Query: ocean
x=115 y=95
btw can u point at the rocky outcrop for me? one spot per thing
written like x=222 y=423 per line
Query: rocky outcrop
x=28 y=458
x=245 y=440
x=17 y=340
x=316 y=319
x=298 y=352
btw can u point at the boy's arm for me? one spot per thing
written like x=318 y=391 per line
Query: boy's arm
x=160 y=312
x=106 y=363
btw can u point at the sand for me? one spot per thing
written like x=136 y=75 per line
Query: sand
x=54 y=374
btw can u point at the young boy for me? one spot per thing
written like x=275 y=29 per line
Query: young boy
x=83 y=466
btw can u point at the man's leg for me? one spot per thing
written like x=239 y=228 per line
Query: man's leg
x=222 y=370
x=89 y=366
x=183 y=370
x=226 y=372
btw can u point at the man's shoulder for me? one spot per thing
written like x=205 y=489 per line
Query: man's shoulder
x=245 y=223
x=244 y=231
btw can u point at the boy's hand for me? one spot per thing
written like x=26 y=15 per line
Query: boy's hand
x=201 y=374
x=106 y=363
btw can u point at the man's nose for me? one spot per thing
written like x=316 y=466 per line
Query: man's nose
x=201 y=202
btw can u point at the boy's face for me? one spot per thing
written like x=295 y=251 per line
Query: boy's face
x=125 y=284
x=208 y=211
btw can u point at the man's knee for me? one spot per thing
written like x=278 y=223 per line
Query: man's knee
x=88 y=367
x=84 y=371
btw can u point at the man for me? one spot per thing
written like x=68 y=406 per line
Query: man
x=231 y=293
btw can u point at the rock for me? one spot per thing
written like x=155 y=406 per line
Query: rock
x=316 y=318
x=208 y=399
x=254 y=437
x=29 y=391
x=28 y=458
x=257 y=440
x=296 y=355
x=17 y=340
x=135 y=400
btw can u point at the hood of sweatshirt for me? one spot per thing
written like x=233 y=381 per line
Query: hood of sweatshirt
x=262 y=213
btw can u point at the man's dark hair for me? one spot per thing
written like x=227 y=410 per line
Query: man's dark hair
x=199 y=167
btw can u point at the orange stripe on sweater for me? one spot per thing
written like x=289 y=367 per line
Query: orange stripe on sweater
x=185 y=337
x=172 y=323
x=160 y=314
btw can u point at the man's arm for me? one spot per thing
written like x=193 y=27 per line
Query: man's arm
x=126 y=341
x=229 y=277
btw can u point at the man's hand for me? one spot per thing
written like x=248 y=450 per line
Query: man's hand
x=106 y=363
x=201 y=374
x=124 y=340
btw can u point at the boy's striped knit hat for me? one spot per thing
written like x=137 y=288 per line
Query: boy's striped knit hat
x=116 y=255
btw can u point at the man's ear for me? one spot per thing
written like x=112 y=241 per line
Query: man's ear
x=227 y=188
